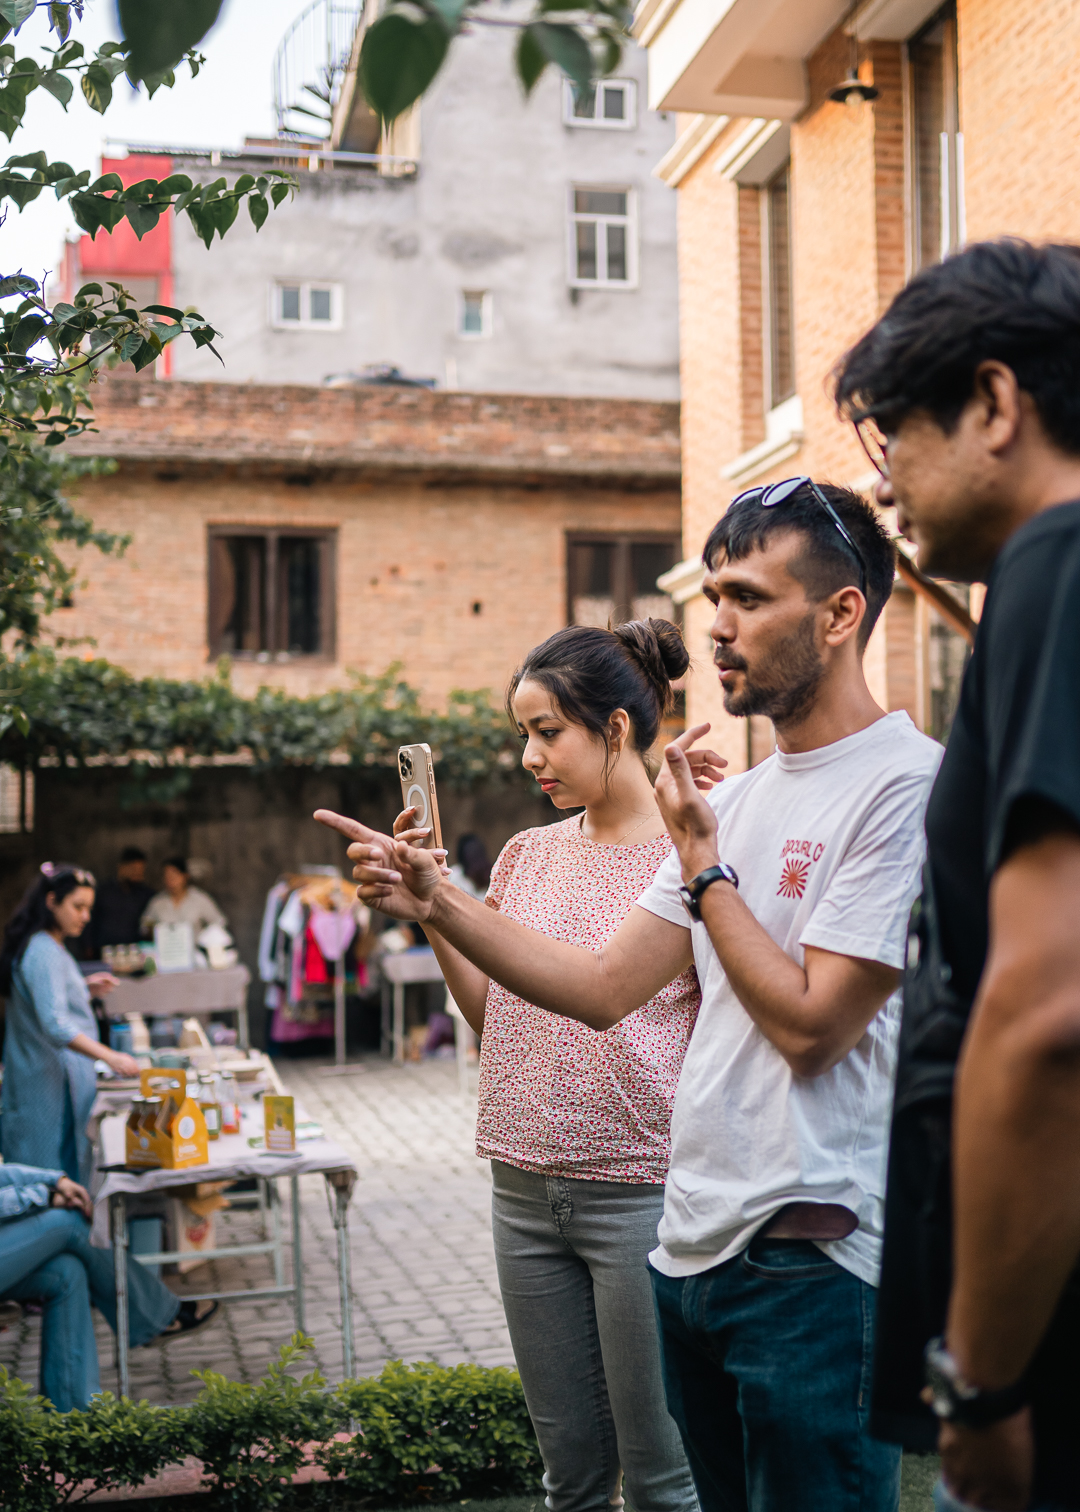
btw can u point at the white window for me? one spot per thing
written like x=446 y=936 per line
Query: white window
x=609 y=103
x=603 y=242
x=474 y=313
x=306 y=306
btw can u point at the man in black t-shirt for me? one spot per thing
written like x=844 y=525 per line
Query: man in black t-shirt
x=967 y=395
x=120 y=904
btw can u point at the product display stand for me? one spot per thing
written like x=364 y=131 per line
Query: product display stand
x=417 y=965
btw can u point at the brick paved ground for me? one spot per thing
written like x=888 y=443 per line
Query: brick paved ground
x=423 y=1272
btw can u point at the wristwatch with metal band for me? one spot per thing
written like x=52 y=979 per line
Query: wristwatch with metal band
x=691 y=893
x=954 y=1400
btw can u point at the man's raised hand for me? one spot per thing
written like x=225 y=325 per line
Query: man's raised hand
x=396 y=878
x=683 y=778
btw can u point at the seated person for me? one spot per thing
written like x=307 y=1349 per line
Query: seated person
x=46 y=1256
x=179 y=902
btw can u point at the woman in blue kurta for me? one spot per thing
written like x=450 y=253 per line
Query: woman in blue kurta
x=50 y=1040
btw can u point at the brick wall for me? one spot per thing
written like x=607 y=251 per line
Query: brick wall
x=1020 y=116
x=847 y=185
x=451 y=513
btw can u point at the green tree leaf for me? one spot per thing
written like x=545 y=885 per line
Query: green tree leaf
x=161 y=32
x=17 y=11
x=530 y=58
x=59 y=86
x=565 y=46
x=398 y=60
x=97 y=87
x=258 y=209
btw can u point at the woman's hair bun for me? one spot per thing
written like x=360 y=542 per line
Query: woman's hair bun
x=659 y=647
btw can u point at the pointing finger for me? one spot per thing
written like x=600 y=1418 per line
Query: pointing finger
x=352 y=829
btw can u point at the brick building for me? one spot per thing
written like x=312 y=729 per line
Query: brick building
x=304 y=531
x=801 y=216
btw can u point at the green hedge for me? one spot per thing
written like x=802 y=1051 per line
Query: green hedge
x=415 y=1434
x=72 y=710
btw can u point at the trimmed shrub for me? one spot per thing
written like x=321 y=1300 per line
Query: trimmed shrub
x=432 y=1433
x=414 y=1434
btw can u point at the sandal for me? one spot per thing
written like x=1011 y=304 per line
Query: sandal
x=188 y=1319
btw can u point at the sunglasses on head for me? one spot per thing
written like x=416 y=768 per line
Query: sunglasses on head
x=773 y=494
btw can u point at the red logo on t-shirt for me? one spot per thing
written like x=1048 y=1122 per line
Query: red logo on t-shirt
x=798 y=856
x=793 y=879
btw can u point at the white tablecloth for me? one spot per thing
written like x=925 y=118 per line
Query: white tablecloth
x=231 y=1157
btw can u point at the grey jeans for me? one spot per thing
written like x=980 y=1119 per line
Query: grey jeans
x=575 y=1285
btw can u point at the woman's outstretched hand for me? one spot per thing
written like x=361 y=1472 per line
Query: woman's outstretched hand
x=395 y=877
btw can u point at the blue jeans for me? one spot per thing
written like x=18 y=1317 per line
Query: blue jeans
x=573 y=1272
x=767 y=1362
x=47 y=1257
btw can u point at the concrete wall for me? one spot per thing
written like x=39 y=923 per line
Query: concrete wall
x=486 y=211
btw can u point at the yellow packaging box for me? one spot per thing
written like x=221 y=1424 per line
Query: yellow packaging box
x=279 y=1123
x=178 y=1138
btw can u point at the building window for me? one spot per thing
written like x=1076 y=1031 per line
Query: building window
x=271 y=593
x=474 y=313
x=603 y=250
x=935 y=147
x=306 y=306
x=611 y=579
x=609 y=103
x=776 y=286
x=16 y=801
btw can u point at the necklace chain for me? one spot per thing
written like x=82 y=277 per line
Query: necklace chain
x=622 y=837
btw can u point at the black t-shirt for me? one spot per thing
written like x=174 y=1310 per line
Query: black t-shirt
x=1013 y=757
x=118 y=908
x=1017 y=730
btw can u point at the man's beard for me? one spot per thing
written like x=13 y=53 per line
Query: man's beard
x=784 y=684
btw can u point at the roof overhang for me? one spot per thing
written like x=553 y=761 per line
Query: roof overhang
x=748 y=57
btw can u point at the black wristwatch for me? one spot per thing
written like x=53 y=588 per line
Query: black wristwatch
x=691 y=893
x=954 y=1400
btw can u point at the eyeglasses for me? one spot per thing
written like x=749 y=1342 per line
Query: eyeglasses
x=875 y=443
x=780 y=493
x=52 y=870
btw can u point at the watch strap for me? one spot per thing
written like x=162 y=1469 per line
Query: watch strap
x=955 y=1401
x=692 y=891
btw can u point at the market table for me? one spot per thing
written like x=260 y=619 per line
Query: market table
x=181 y=994
x=231 y=1159
x=415 y=965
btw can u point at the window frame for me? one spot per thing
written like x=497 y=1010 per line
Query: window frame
x=601 y=123
x=305 y=323
x=623 y=541
x=272 y=535
x=772 y=394
x=486 y=314
x=952 y=230
x=629 y=220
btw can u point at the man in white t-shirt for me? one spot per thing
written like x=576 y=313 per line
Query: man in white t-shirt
x=789 y=887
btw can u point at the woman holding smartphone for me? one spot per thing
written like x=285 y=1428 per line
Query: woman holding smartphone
x=576 y=1122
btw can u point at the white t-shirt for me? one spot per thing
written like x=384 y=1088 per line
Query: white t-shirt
x=828 y=846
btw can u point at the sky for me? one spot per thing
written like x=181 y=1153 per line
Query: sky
x=231 y=99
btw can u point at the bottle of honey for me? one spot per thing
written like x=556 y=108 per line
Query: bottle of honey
x=151 y=1114
x=211 y=1108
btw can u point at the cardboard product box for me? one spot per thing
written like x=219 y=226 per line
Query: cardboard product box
x=192 y=1218
x=279 y=1123
x=178 y=1139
